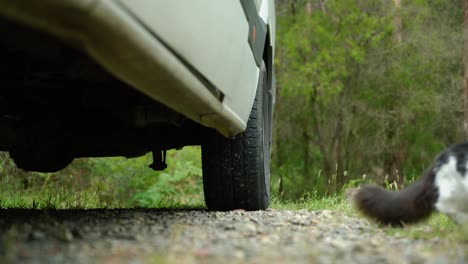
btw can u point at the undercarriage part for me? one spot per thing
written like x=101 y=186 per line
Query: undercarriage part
x=50 y=144
x=8 y=134
x=159 y=160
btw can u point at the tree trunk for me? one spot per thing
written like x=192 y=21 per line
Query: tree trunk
x=465 y=69
x=279 y=164
x=337 y=142
x=278 y=150
x=394 y=159
x=398 y=36
x=306 y=156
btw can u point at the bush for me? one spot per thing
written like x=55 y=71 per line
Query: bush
x=114 y=182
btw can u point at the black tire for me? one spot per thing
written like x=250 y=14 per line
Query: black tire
x=236 y=172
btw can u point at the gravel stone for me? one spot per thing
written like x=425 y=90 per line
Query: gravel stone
x=159 y=236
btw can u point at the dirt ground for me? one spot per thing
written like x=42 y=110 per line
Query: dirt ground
x=178 y=236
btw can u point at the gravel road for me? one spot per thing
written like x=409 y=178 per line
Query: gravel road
x=178 y=236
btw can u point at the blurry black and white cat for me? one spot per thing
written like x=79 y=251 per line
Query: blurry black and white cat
x=442 y=187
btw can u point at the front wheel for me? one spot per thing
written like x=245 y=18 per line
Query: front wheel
x=236 y=172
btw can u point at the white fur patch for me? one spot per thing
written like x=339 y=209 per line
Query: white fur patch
x=453 y=191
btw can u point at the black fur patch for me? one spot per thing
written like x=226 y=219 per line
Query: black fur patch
x=410 y=205
x=460 y=151
x=461 y=163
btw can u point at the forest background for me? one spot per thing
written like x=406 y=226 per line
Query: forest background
x=367 y=90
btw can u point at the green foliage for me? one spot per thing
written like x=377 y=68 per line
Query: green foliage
x=321 y=46
x=180 y=185
x=106 y=183
x=359 y=93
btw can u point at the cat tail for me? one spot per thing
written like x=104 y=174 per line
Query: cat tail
x=409 y=205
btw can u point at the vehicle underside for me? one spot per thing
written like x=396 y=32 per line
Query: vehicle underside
x=56 y=104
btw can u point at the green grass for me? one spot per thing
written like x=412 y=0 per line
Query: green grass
x=334 y=202
x=437 y=226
